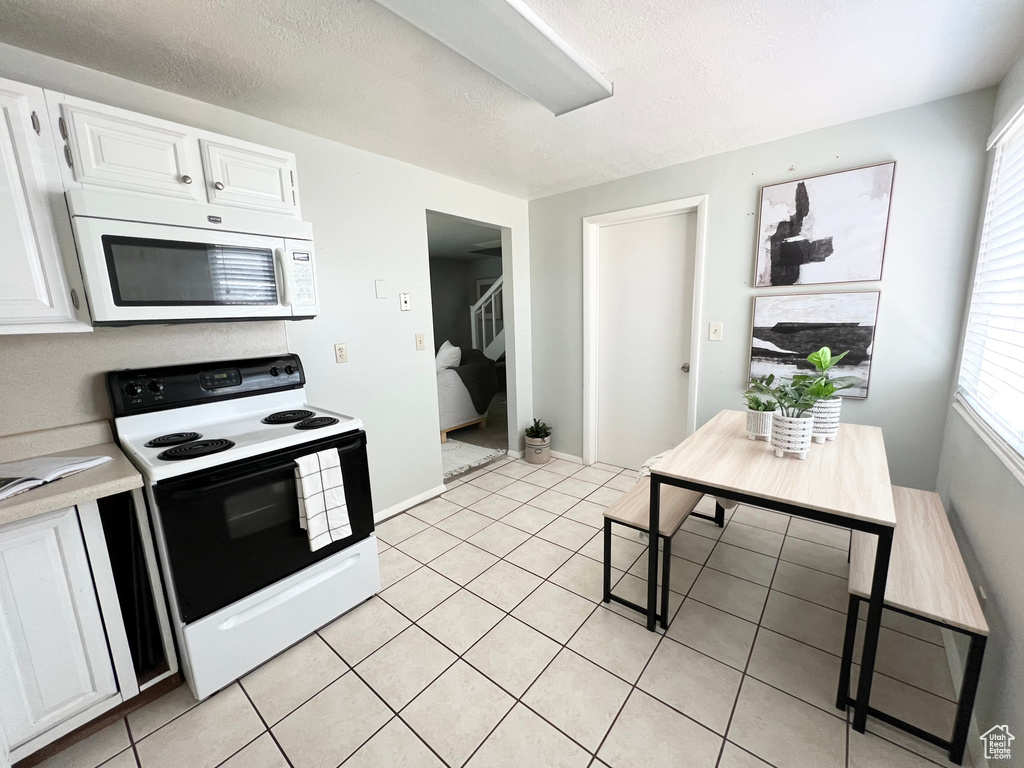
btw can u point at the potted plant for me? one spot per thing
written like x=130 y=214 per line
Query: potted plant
x=826 y=411
x=760 y=410
x=538 y=443
x=792 y=424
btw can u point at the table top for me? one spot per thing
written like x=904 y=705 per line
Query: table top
x=848 y=477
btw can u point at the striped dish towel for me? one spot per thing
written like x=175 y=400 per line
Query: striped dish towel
x=323 y=510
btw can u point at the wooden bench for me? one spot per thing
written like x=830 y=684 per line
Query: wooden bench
x=634 y=511
x=927 y=580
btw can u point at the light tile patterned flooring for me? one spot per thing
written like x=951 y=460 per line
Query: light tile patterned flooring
x=489 y=646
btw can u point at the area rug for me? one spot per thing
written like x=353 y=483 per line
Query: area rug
x=457 y=457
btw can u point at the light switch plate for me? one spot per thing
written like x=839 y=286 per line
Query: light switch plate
x=421 y=342
x=340 y=353
x=715 y=332
x=381 y=288
x=403 y=299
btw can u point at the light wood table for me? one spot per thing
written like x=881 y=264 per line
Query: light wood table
x=844 y=483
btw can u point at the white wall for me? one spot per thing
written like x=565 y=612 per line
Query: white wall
x=1010 y=97
x=939 y=149
x=369 y=221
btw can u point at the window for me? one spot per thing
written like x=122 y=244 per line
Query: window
x=992 y=371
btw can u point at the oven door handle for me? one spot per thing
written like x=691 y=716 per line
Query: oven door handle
x=207 y=487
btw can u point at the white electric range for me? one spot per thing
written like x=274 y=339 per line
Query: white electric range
x=216 y=444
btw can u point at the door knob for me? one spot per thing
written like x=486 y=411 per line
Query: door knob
x=685 y=368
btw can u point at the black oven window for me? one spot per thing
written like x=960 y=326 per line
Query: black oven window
x=168 y=273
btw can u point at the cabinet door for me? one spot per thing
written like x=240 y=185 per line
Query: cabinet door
x=54 y=660
x=34 y=292
x=249 y=176
x=124 y=150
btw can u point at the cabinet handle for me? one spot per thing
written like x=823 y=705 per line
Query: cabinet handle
x=63 y=128
x=218 y=185
x=74 y=298
x=186 y=179
x=35 y=124
x=67 y=156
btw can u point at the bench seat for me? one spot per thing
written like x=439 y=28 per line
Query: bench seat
x=927 y=579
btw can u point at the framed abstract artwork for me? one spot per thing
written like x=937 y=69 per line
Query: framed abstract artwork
x=824 y=229
x=788 y=328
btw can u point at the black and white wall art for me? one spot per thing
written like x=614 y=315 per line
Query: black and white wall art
x=788 y=328
x=824 y=229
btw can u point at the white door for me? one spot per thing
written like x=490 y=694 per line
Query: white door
x=644 y=309
x=114 y=148
x=248 y=176
x=35 y=295
x=54 y=661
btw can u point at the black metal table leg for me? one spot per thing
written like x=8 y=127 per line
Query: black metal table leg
x=719 y=514
x=607 y=560
x=878 y=581
x=968 y=690
x=652 y=560
x=843 y=694
x=666 y=575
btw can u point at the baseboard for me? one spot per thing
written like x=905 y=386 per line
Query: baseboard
x=419 y=498
x=566 y=457
x=515 y=454
x=956 y=669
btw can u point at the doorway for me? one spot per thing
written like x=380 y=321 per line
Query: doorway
x=642 y=277
x=467 y=307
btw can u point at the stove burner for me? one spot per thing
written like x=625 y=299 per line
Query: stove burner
x=315 y=422
x=175 y=438
x=195 y=449
x=287 y=417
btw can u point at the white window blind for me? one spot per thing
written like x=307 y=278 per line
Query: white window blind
x=992 y=371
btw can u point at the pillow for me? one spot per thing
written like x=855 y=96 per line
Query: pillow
x=447 y=356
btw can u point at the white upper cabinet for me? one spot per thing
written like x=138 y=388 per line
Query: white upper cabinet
x=54 y=661
x=112 y=147
x=41 y=283
x=249 y=176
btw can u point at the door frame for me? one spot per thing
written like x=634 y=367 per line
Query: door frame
x=591 y=304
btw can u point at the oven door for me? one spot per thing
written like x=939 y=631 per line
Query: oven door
x=233 y=530
x=154 y=273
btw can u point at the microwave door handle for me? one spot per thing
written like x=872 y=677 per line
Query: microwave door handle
x=284 y=293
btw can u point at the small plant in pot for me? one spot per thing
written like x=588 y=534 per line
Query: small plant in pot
x=826 y=411
x=538 y=443
x=760 y=409
x=792 y=424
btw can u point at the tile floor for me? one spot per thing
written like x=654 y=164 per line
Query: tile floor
x=488 y=646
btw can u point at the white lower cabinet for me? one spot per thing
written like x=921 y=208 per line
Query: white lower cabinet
x=54 y=660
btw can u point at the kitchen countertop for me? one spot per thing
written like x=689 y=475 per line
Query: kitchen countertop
x=116 y=476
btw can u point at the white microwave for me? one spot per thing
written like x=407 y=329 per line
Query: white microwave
x=159 y=262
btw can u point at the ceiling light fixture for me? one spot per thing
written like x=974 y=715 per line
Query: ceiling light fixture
x=509 y=40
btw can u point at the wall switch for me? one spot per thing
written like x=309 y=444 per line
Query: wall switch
x=403 y=299
x=715 y=332
x=381 y=288
x=421 y=342
x=340 y=353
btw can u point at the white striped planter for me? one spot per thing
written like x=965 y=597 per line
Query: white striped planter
x=759 y=424
x=792 y=434
x=826 y=418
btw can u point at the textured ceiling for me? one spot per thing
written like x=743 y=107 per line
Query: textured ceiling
x=452 y=237
x=692 y=77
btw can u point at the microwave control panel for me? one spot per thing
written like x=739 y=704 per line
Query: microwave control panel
x=303 y=287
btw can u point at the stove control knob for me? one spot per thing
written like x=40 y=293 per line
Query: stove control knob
x=132 y=390
x=275 y=371
x=156 y=386
x=290 y=369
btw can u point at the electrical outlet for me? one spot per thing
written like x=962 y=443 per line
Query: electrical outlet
x=381 y=288
x=403 y=299
x=421 y=342
x=340 y=353
x=715 y=332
